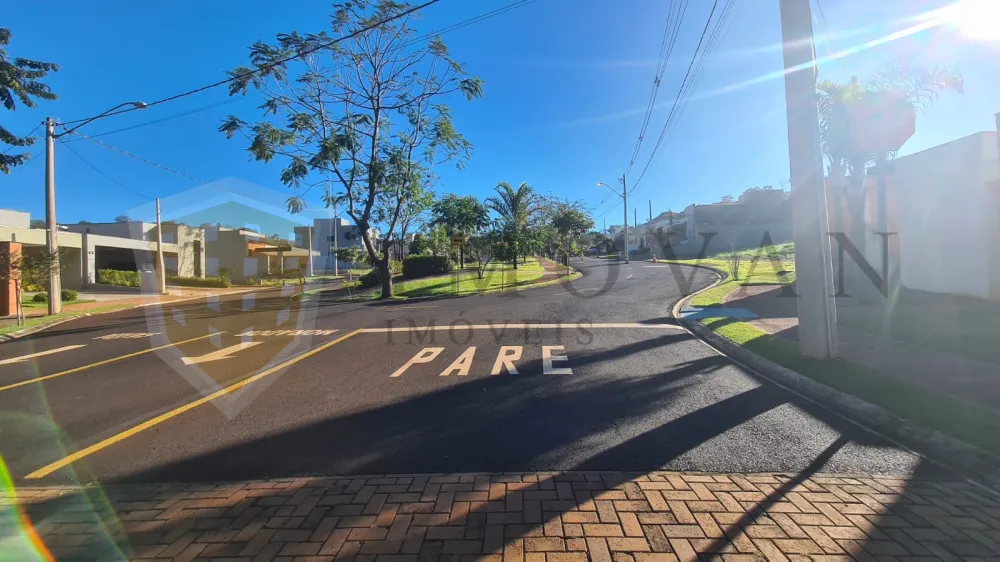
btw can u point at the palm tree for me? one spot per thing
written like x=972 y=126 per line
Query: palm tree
x=917 y=84
x=515 y=207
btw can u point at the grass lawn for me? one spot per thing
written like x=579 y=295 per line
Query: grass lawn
x=970 y=423
x=28 y=304
x=763 y=271
x=9 y=326
x=498 y=276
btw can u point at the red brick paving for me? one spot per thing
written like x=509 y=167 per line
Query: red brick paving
x=525 y=517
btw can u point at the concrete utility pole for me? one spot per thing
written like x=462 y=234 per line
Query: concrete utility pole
x=810 y=225
x=55 y=283
x=625 y=208
x=336 y=243
x=161 y=273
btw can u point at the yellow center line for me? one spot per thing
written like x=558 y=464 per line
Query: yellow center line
x=70 y=459
x=99 y=363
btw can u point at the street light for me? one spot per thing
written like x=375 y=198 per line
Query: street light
x=55 y=283
x=624 y=196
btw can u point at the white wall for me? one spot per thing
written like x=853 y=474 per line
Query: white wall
x=946 y=221
x=16 y=219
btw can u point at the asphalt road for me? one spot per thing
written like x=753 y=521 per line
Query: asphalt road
x=265 y=385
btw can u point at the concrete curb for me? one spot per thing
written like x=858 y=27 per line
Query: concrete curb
x=35 y=329
x=968 y=460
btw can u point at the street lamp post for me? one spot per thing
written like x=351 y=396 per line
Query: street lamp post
x=52 y=234
x=624 y=196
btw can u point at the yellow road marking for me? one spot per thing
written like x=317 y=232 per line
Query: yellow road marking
x=70 y=459
x=567 y=326
x=99 y=363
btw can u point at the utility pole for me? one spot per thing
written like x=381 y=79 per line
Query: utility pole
x=55 y=283
x=635 y=220
x=625 y=208
x=336 y=242
x=161 y=273
x=813 y=260
x=650 y=223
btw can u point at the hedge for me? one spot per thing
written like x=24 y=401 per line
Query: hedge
x=395 y=267
x=217 y=282
x=40 y=297
x=422 y=266
x=369 y=279
x=119 y=278
x=69 y=295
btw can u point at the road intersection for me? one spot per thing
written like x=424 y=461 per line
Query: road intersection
x=591 y=374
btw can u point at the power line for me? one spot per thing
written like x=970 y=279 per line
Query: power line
x=826 y=44
x=442 y=31
x=141 y=159
x=163 y=119
x=666 y=50
x=698 y=60
x=99 y=171
x=279 y=62
x=13 y=146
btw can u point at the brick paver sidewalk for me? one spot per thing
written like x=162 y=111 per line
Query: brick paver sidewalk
x=536 y=517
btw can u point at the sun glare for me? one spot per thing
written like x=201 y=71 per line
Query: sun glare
x=976 y=19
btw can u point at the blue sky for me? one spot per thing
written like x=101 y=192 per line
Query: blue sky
x=566 y=86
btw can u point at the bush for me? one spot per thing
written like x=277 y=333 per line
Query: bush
x=68 y=295
x=216 y=282
x=40 y=297
x=395 y=267
x=422 y=266
x=369 y=279
x=119 y=278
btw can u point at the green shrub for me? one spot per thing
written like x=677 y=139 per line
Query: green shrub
x=422 y=266
x=118 y=278
x=369 y=279
x=40 y=297
x=395 y=267
x=68 y=295
x=216 y=282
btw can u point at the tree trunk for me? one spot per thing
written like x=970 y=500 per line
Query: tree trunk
x=384 y=271
x=385 y=276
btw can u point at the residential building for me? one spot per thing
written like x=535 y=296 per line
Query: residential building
x=322 y=234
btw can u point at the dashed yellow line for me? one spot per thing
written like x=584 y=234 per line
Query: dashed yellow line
x=99 y=363
x=70 y=459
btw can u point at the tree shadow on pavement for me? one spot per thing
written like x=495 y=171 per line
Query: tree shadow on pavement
x=639 y=424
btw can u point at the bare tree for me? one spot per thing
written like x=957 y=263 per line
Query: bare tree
x=367 y=110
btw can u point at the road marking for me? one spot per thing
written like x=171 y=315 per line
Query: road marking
x=224 y=353
x=504 y=325
x=462 y=364
x=505 y=359
x=24 y=358
x=548 y=358
x=249 y=333
x=128 y=336
x=98 y=364
x=425 y=355
x=86 y=451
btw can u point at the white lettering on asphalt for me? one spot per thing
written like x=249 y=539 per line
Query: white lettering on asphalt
x=548 y=358
x=39 y=354
x=505 y=359
x=425 y=355
x=128 y=336
x=287 y=333
x=462 y=364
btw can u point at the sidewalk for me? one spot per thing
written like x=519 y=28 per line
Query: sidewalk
x=514 y=517
x=974 y=381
